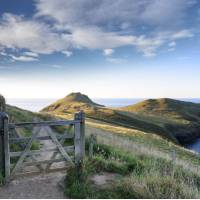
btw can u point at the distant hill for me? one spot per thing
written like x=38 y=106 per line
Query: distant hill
x=72 y=103
x=76 y=101
x=181 y=111
x=178 y=117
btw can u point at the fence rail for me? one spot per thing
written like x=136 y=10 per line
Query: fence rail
x=72 y=154
x=45 y=123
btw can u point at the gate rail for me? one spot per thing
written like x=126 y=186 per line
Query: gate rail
x=78 y=148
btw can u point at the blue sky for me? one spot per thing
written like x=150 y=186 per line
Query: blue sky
x=113 y=49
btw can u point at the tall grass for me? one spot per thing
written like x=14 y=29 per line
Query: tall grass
x=148 y=144
x=138 y=176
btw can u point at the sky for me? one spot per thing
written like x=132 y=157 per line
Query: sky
x=105 y=49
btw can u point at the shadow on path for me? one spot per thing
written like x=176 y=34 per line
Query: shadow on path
x=38 y=187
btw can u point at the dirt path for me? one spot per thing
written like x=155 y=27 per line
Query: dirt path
x=37 y=187
x=43 y=186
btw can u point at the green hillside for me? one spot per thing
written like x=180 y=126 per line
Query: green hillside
x=20 y=115
x=180 y=111
x=172 y=119
x=178 y=117
x=76 y=101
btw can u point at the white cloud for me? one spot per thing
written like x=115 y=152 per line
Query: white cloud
x=3 y=53
x=57 y=66
x=172 y=44
x=182 y=34
x=23 y=58
x=116 y=60
x=108 y=52
x=35 y=36
x=67 y=53
x=164 y=13
x=32 y=54
x=96 y=38
x=91 y=24
x=115 y=12
x=100 y=25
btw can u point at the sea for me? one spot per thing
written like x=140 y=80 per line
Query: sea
x=36 y=105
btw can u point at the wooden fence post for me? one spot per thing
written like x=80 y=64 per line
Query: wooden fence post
x=4 y=141
x=2 y=104
x=92 y=141
x=6 y=148
x=173 y=155
x=2 y=159
x=79 y=140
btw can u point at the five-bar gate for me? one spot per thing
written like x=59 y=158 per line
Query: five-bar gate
x=49 y=143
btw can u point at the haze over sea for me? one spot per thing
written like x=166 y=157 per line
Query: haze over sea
x=36 y=105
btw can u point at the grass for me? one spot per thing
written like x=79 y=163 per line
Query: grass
x=140 y=176
x=139 y=142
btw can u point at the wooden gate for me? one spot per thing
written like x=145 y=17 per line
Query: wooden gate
x=21 y=153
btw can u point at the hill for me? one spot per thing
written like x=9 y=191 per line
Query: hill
x=20 y=115
x=72 y=103
x=180 y=118
x=76 y=101
x=180 y=111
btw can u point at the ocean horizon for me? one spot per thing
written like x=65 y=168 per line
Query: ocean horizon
x=35 y=105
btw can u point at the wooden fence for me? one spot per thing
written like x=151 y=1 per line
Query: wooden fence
x=11 y=161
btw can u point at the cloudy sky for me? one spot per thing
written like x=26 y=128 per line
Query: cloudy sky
x=104 y=48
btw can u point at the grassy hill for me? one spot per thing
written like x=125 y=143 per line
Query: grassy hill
x=179 y=111
x=20 y=115
x=76 y=101
x=180 y=118
x=169 y=118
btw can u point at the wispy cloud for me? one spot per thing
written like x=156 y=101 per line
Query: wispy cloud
x=172 y=44
x=32 y=54
x=67 y=53
x=23 y=58
x=116 y=60
x=33 y=35
x=108 y=52
x=111 y=13
x=57 y=66
x=182 y=34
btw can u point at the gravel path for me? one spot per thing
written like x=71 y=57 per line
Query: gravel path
x=37 y=187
